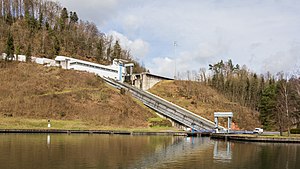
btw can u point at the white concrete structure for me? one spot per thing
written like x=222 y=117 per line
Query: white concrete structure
x=228 y=115
x=146 y=80
x=115 y=71
x=44 y=61
x=21 y=58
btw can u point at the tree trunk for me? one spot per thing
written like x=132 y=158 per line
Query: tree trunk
x=287 y=107
x=280 y=130
x=1 y=8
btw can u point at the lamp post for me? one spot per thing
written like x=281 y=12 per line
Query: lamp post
x=175 y=45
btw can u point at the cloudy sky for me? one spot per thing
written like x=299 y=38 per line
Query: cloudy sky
x=262 y=34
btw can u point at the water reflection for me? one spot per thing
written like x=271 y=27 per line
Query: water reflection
x=28 y=151
x=174 y=154
x=48 y=139
x=53 y=151
x=222 y=151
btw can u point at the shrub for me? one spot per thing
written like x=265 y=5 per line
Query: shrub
x=295 y=131
x=160 y=123
x=122 y=91
x=62 y=114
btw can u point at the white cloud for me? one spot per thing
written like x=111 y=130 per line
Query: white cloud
x=257 y=33
x=137 y=47
x=100 y=12
x=283 y=61
x=210 y=31
x=131 y=24
x=163 y=66
x=193 y=60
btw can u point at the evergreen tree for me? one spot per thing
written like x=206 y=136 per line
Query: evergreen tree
x=117 y=50
x=267 y=106
x=100 y=50
x=41 y=19
x=56 y=46
x=9 y=19
x=10 y=48
x=73 y=17
x=1 y=8
x=47 y=25
x=63 y=17
x=28 y=53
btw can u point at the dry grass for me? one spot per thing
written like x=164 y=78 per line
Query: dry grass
x=28 y=123
x=204 y=101
x=25 y=123
x=37 y=92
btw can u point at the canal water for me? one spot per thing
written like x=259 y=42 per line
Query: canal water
x=62 y=151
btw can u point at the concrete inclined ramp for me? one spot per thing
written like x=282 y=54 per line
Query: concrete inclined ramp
x=166 y=108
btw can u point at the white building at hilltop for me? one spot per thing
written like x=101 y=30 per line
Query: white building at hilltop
x=115 y=71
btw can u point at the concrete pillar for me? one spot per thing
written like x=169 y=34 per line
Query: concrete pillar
x=131 y=67
x=216 y=124
x=229 y=123
x=120 y=72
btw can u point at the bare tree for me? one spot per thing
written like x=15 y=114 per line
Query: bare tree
x=202 y=73
x=283 y=104
x=1 y=7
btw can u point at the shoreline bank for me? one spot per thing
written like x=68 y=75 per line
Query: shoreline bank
x=255 y=138
x=119 y=132
x=226 y=137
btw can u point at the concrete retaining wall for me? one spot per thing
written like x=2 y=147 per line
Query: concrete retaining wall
x=147 y=80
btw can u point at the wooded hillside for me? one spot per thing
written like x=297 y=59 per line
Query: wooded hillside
x=276 y=97
x=45 y=29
